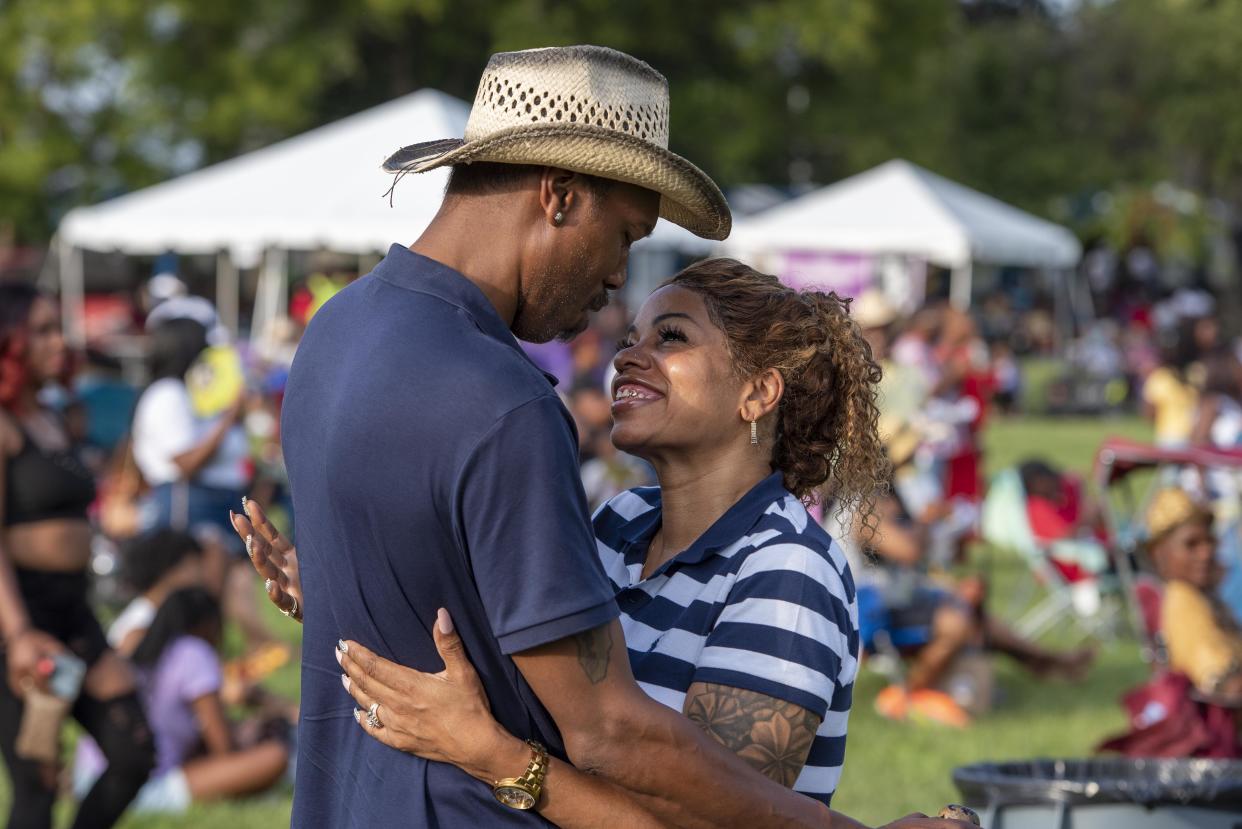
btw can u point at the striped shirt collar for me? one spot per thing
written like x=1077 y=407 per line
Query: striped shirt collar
x=734 y=524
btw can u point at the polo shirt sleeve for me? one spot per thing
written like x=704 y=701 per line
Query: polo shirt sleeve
x=526 y=527
x=785 y=630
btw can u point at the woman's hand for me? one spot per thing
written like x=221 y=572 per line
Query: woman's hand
x=25 y=652
x=273 y=556
x=443 y=717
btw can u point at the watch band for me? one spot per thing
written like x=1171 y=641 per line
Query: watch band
x=509 y=791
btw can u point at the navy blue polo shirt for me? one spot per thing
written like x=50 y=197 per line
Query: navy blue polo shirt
x=431 y=465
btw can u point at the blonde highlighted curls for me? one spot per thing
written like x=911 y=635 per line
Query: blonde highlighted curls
x=826 y=440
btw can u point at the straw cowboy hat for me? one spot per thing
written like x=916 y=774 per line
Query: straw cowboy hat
x=588 y=109
x=1170 y=509
x=873 y=309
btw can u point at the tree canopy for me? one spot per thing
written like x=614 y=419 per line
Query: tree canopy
x=1040 y=104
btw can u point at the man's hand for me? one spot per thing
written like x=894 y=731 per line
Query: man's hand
x=273 y=556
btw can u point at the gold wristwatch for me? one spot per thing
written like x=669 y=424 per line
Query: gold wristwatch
x=523 y=792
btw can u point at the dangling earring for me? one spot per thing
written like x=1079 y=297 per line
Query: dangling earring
x=754 y=434
x=558 y=218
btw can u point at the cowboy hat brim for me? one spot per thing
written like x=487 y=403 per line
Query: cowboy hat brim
x=688 y=197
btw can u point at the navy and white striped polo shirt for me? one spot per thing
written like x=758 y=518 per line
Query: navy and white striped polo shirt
x=762 y=601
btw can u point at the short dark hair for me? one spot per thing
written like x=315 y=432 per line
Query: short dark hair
x=149 y=556
x=184 y=613
x=175 y=345
x=488 y=177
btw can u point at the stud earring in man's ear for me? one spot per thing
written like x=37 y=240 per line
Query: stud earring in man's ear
x=558 y=218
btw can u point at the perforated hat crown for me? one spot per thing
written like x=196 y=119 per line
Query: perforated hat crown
x=1170 y=509
x=589 y=109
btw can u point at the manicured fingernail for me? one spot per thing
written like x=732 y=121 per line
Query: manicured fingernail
x=232 y=517
x=444 y=621
x=345 y=681
x=337 y=653
x=342 y=646
x=358 y=716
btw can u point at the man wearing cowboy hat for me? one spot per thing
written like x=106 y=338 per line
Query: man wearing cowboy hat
x=414 y=422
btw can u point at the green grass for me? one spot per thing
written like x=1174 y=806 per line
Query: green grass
x=892 y=769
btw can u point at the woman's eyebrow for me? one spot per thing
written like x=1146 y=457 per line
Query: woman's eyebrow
x=673 y=315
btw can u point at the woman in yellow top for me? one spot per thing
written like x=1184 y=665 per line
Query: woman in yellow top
x=1203 y=639
x=1172 y=402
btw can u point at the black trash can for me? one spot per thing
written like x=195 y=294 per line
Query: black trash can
x=1108 y=793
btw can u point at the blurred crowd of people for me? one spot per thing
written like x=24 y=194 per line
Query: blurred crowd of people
x=171 y=460
x=127 y=493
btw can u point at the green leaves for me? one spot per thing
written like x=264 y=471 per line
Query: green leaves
x=101 y=96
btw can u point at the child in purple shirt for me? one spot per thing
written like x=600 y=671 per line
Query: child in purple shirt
x=180 y=679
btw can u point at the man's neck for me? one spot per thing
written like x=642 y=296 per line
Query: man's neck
x=478 y=243
x=696 y=491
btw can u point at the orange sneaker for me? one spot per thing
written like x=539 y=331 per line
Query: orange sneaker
x=937 y=707
x=893 y=703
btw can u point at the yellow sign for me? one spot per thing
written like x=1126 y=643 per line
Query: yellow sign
x=215 y=381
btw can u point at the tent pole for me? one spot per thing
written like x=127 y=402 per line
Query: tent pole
x=960 y=286
x=227 y=291
x=72 y=295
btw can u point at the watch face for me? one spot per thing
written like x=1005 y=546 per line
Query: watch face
x=514 y=797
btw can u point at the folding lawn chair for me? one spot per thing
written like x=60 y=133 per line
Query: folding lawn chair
x=1087 y=602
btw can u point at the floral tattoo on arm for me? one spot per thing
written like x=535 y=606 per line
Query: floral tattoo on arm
x=772 y=735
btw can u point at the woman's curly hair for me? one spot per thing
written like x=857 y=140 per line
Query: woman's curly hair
x=826 y=437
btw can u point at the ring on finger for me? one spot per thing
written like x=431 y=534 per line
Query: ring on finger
x=292 y=612
x=250 y=546
x=373 y=719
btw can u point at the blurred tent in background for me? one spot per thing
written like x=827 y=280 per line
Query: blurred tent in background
x=321 y=190
x=887 y=224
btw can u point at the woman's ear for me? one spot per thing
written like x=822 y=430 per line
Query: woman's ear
x=762 y=394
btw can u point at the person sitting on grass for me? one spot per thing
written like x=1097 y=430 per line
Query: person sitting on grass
x=156 y=564
x=180 y=679
x=1201 y=636
x=932 y=623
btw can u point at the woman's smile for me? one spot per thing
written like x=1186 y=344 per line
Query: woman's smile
x=630 y=394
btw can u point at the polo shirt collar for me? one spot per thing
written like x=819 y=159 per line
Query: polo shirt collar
x=413 y=271
x=734 y=524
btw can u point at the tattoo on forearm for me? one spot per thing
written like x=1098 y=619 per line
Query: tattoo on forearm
x=772 y=735
x=594 y=648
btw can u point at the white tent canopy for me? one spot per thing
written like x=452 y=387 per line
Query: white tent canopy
x=321 y=189
x=900 y=208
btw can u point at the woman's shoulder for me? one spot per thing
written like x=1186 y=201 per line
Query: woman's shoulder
x=789 y=544
x=788 y=525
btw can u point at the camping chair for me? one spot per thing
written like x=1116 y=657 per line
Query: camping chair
x=1085 y=602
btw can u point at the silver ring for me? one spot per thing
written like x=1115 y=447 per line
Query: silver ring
x=373 y=716
x=292 y=612
x=267 y=585
x=250 y=546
